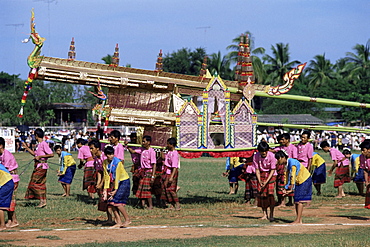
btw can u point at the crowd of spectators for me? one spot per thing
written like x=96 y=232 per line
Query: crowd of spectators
x=67 y=140
x=337 y=140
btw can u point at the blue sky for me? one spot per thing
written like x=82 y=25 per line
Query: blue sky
x=143 y=27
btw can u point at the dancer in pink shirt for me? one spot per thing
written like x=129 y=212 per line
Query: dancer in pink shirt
x=340 y=165
x=37 y=186
x=148 y=163
x=114 y=138
x=171 y=174
x=9 y=162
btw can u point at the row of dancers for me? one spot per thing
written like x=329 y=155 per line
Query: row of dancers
x=104 y=174
x=289 y=171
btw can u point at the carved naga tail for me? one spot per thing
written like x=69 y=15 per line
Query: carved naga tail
x=33 y=60
x=289 y=78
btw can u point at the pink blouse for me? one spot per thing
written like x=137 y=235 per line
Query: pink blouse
x=135 y=156
x=264 y=164
x=250 y=169
x=83 y=154
x=119 y=151
x=305 y=152
x=147 y=157
x=290 y=149
x=43 y=149
x=336 y=155
x=8 y=160
x=171 y=160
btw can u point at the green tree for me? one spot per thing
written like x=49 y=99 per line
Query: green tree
x=108 y=59
x=278 y=64
x=360 y=61
x=320 y=71
x=220 y=65
x=184 y=61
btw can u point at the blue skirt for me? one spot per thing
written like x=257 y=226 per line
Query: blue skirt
x=319 y=175
x=122 y=194
x=6 y=193
x=303 y=192
x=234 y=174
x=359 y=178
x=68 y=176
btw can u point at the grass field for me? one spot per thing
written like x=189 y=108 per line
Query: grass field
x=204 y=199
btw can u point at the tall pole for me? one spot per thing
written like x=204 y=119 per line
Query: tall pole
x=48 y=2
x=313 y=99
x=15 y=25
x=205 y=34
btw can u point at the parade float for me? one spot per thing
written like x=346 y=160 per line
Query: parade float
x=161 y=104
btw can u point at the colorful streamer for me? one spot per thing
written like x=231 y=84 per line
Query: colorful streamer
x=27 y=88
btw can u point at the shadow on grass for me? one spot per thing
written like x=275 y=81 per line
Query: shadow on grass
x=30 y=203
x=56 y=194
x=247 y=217
x=220 y=192
x=355 y=194
x=93 y=222
x=205 y=200
x=86 y=199
x=351 y=217
x=277 y=220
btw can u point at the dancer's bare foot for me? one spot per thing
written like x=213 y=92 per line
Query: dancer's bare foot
x=296 y=223
x=126 y=223
x=339 y=196
x=64 y=195
x=2 y=228
x=116 y=226
x=41 y=205
x=263 y=218
x=11 y=224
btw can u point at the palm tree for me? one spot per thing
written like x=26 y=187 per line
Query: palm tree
x=278 y=64
x=360 y=61
x=320 y=71
x=108 y=59
x=221 y=66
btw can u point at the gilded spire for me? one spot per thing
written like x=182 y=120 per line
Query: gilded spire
x=159 y=63
x=244 y=68
x=72 y=52
x=115 y=58
x=203 y=69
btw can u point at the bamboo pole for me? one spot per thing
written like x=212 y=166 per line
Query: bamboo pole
x=312 y=99
x=203 y=149
x=315 y=127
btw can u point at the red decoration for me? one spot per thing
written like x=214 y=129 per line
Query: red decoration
x=221 y=154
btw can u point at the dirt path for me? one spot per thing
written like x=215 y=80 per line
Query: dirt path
x=60 y=237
